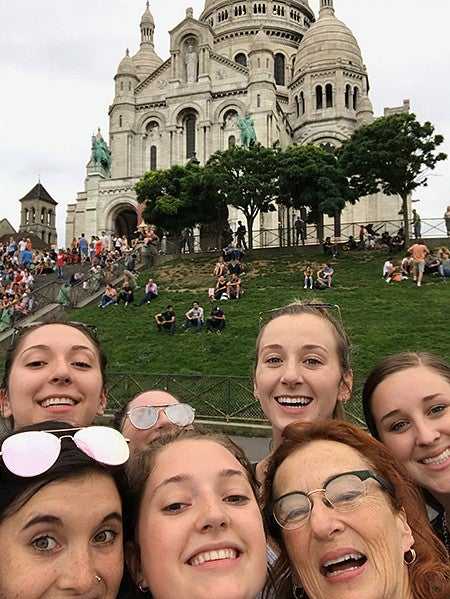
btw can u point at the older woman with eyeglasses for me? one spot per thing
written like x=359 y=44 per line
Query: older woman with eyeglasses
x=61 y=512
x=348 y=524
x=151 y=415
x=54 y=371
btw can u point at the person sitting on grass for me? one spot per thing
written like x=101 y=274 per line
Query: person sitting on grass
x=234 y=287
x=151 y=292
x=166 y=320
x=126 y=294
x=194 y=318
x=325 y=276
x=216 y=321
x=308 y=274
x=221 y=288
x=220 y=268
x=109 y=298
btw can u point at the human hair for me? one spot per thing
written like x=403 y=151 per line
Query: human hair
x=314 y=308
x=429 y=575
x=19 y=336
x=143 y=464
x=396 y=363
x=72 y=463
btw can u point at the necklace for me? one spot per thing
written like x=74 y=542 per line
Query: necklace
x=444 y=531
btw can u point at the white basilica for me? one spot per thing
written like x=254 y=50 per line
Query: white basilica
x=301 y=78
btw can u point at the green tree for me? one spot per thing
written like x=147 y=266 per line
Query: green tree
x=246 y=179
x=175 y=198
x=311 y=177
x=394 y=154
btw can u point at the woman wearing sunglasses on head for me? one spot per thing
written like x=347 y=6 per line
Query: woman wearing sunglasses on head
x=54 y=371
x=61 y=512
x=196 y=527
x=150 y=415
x=406 y=401
x=350 y=525
x=302 y=369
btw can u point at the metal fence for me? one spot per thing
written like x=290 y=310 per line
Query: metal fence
x=220 y=398
x=284 y=237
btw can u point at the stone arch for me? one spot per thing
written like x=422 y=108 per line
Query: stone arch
x=122 y=217
x=187 y=121
x=222 y=109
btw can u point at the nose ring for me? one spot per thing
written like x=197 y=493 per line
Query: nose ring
x=98 y=578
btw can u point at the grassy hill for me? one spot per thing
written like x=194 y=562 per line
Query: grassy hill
x=380 y=318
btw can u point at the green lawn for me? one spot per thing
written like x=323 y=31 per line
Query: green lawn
x=380 y=318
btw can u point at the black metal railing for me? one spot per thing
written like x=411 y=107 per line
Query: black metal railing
x=220 y=398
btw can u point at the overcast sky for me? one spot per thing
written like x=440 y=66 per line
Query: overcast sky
x=58 y=59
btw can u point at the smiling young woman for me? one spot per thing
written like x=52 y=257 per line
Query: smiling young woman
x=302 y=370
x=54 y=371
x=406 y=401
x=196 y=526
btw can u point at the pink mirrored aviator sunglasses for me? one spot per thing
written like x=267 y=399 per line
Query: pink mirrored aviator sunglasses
x=33 y=452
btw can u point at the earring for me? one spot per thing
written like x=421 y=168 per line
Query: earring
x=141 y=588
x=298 y=592
x=410 y=557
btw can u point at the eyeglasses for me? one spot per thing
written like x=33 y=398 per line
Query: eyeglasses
x=34 y=452
x=284 y=310
x=144 y=417
x=343 y=492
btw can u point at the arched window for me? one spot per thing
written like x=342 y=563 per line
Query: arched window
x=258 y=101
x=231 y=142
x=240 y=58
x=42 y=216
x=189 y=127
x=153 y=158
x=49 y=239
x=355 y=98
x=302 y=103
x=121 y=86
x=27 y=216
x=120 y=120
x=329 y=95
x=33 y=215
x=49 y=218
x=319 y=97
x=347 y=96
x=297 y=106
x=279 y=69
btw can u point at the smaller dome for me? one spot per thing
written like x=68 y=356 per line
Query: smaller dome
x=147 y=17
x=328 y=40
x=126 y=66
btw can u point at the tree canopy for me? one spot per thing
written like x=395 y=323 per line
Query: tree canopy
x=246 y=179
x=175 y=198
x=311 y=177
x=394 y=154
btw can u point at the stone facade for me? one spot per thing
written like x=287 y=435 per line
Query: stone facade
x=301 y=80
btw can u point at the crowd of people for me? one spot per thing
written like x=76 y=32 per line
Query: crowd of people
x=152 y=505
x=417 y=262
x=22 y=266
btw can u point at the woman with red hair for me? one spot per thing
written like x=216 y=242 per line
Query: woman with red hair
x=348 y=523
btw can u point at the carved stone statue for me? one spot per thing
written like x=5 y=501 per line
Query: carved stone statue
x=191 y=62
x=247 y=127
